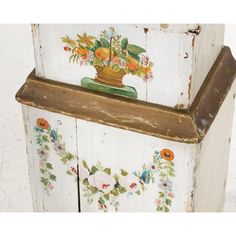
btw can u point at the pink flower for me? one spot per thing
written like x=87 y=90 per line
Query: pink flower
x=42 y=164
x=130 y=182
x=158 y=202
x=171 y=195
x=50 y=186
x=102 y=181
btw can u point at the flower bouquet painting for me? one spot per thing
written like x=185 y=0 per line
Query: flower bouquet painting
x=113 y=57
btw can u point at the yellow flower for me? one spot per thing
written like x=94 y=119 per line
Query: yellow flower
x=85 y=39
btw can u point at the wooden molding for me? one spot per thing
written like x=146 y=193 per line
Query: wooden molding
x=189 y=126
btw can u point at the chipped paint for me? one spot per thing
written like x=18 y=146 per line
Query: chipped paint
x=164 y=26
x=189 y=87
x=195 y=31
x=145 y=30
x=179 y=106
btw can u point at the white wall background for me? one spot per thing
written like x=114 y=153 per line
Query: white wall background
x=16 y=61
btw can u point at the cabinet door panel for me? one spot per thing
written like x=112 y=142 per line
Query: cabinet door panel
x=126 y=171
x=52 y=157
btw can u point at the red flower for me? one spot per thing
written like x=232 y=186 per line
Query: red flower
x=167 y=154
x=68 y=49
x=42 y=123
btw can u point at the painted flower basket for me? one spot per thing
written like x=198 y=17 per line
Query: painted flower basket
x=113 y=57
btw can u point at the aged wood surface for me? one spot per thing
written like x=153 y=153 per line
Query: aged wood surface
x=188 y=126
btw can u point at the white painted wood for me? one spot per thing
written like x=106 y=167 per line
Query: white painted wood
x=120 y=149
x=200 y=169
x=181 y=58
x=61 y=194
x=212 y=159
x=206 y=47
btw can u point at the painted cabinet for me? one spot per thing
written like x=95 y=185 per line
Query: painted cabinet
x=90 y=150
x=163 y=64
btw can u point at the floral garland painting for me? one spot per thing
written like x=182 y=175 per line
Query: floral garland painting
x=113 y=57
x=45 y=136
x=100 y=181
x=108 y=186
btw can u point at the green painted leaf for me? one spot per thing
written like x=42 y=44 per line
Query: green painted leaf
x=49 y=166
x=135 y=49
x=42 y=171
x=68 y=172
x=105 y=43
x=45 y=138
x=122 y=189
x=123 y=172
x=71 y=57
x=107 y=170
x=97 y=44
x=166 y=209
x=101 y=201
x=171 y=174
x=44 y=181
x=106 y=196
x=159 y=208
x=124 y=43
x=138 y=192
x=69 y=156
x=133 y=55
x=85 y=181
x=53 y=177
x=115 y=192
x=46 y=147
x=94 y=169
x=168 y=202
x=93 y=189
x=161 y=194
x=171 y=163
x=85 y=164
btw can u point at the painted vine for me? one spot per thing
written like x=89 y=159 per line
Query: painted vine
x=46 y=137
x=107 y=186
x=100 y=181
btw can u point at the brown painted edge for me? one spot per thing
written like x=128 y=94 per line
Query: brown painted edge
x=213 y=91
x=134 y=115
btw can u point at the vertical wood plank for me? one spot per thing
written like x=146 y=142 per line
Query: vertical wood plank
x=120 y=171
x=52 y=153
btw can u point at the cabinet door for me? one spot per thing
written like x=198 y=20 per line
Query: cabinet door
x=52 y=158
x=121 y=170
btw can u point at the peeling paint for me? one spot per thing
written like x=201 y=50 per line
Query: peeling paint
x=189 y=87
x=195 y=31
x=145 y=30
x=179 y=106
x=164 y=26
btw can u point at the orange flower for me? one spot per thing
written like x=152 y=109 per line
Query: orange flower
x=83 y=52
x=103 y=53
x=145 y=70
x=132 y=64
x=42 y=123
x=167 y=154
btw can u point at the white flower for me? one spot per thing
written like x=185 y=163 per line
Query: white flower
x=130 y=182
x=102 y=181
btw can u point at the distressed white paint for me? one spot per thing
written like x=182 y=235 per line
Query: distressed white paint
x=200 y=169
x=63 y=196
x=121 y=149
x=181 y=59
x=212 y=159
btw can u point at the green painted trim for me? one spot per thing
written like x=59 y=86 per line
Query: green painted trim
x=126 y=91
